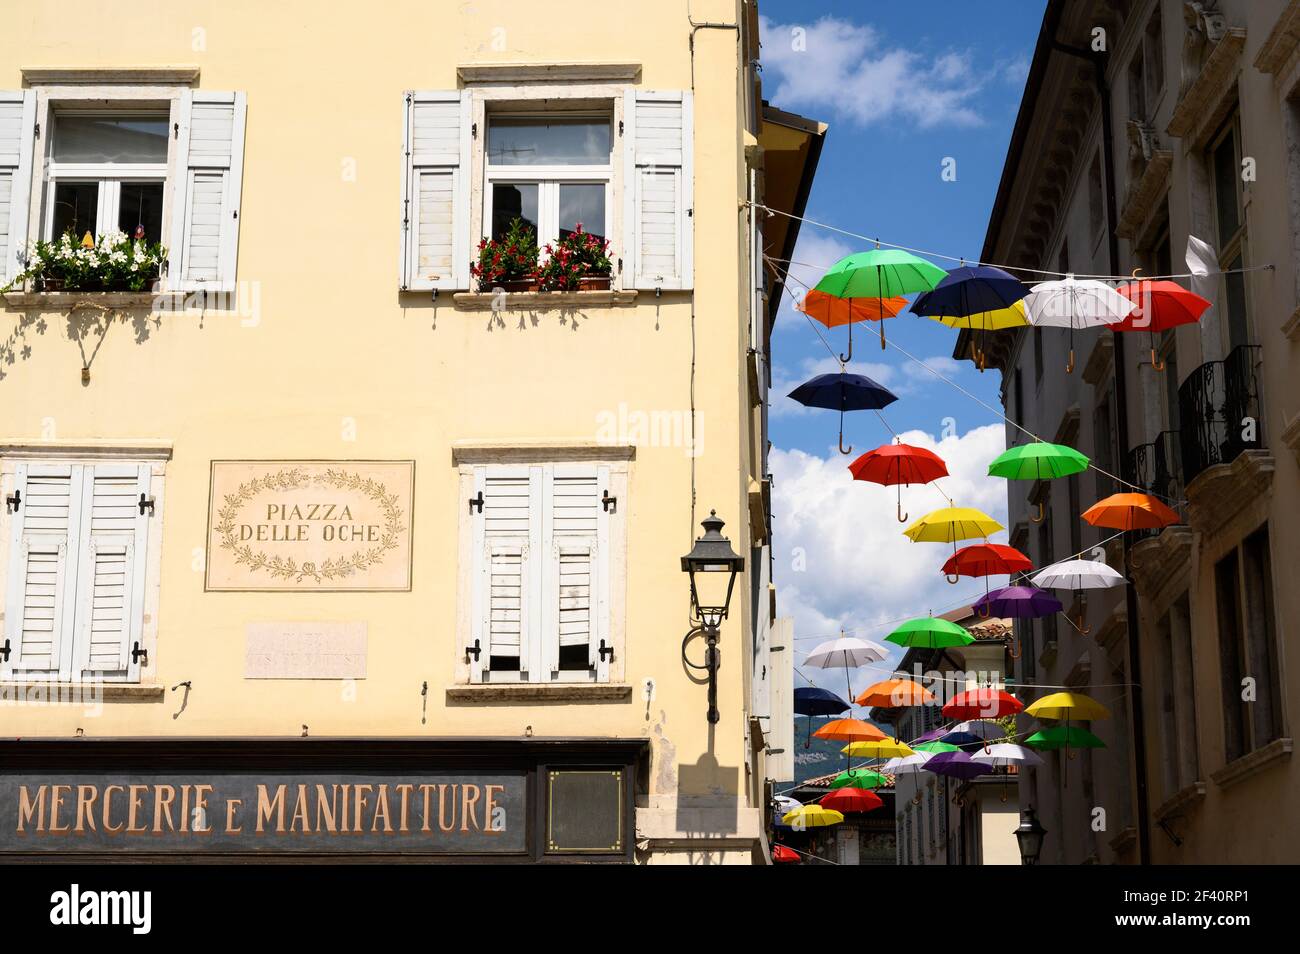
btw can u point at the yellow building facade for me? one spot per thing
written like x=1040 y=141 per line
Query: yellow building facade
x=325 y=539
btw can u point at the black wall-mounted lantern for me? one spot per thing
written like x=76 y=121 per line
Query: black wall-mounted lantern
x=1030 y=837
x=709 y=559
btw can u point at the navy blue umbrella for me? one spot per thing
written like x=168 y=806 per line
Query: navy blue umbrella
x=815 y=701
x=843 y=392
x=968 y=291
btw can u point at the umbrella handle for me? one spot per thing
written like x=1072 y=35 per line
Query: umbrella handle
x=1156 y=363
x=1083 y=630
x=902 y=517
x=1041 y=514
x=953 y=578
x=1069 y=367
x=846 y=358
x=843 y=449
x=984 y=612
x=1017 y=652
x=882 y=334
x=958 y=801
x=916 y=799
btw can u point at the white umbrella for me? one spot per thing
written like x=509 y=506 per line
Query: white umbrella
x=982 y=728
x=1077 y=575
x=847 y=652
x=1074 y=303
x=1005 y=753
x=908 y=764
x=785 y=805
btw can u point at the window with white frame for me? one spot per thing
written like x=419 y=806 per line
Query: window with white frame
x=106 y=173
x=552 y=171
x=77 y=563
x=163 y=163
x=542 y=572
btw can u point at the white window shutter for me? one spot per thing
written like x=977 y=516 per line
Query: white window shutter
x=203 y=244
x=577 y=578
x=39 y=600
x=17 y=136
x=658 y=182
x=503 y=551
x=435 y=249
x=111 y=575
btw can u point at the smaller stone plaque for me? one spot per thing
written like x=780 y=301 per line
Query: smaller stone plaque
x=305 y=651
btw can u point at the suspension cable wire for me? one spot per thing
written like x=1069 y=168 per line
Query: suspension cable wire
x=1176 y=502
x=964 y=260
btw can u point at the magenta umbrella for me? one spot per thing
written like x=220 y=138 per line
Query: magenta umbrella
x=1019 y=602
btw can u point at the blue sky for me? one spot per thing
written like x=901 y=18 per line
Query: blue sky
x=905 y=87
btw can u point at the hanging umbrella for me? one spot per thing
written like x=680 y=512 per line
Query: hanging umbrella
x=935 y=747
x=929 y=632
x=879 y=273
x=851 y=800
x=833 y=311
x=1013 y=316
x=1074 y=303
x=815 y=701
x=956 y=765
x=981 y=729
x=812 y=816
x=1017 y=602
x=859 y=778
x=1077 y=575
x=881 y=749
x=783 y=855
x=982 y=703
x=931 y=736
x=985 y=559
x=843 y=392
x=1070 y=706
x=971 y=294
x=950 y=524
x=850 y=730
x=962 y=740
x=1003 y=754
x=1130 y=511
x=894 y=693
x=908 y=765
x=1161 y=305
x=847 y=652
x=898 y=464
x=1038 y=461
x=784 y=804
x=1064 y=737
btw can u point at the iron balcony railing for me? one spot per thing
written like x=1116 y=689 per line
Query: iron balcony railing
x=1219 y=407
x=1158 y=468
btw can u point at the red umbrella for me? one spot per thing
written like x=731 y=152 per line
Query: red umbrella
x=783 y=855
x=897 y=464
x=846 y=800
x=982 y=703
x=1161 y=305
x=986 y=559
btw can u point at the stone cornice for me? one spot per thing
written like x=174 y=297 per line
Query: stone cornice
x=1160 y=560
x=1252 y=763
x=1142 y=194
x=573 y=72
x=1216 y=494
x=101 y=76
x=1100 y=360
x=1116 y=626
x=1281 y=42
x=1291 y=437
x=1201 y=106
x=1180 y=802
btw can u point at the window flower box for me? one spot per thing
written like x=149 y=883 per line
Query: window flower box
x=112 y=263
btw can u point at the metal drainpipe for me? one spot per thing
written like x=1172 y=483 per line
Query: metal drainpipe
x=1138 y=727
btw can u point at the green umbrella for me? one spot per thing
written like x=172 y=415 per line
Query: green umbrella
x=859 y=778
x=936 y=746
x=1038 y=461
x=1064 y=737
x=879 y=273
x=930 y=633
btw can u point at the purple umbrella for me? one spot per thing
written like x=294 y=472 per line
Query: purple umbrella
x=1020 y=602
x=932 y=736
x=956 y=764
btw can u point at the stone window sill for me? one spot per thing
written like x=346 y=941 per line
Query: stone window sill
x=1181 y=801
x=1251 y=764
x=541 y=301
x=63 y=300
x=521 y=693
x=80 y=692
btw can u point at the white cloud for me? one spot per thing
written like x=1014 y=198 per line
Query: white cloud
x=847 y=67
x=841 y=559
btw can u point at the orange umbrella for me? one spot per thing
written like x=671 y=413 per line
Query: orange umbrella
x=895 y=693
x=849 y=730
x=1130 y=512
x=833 y=311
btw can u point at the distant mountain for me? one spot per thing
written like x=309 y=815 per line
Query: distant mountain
x=821 y=756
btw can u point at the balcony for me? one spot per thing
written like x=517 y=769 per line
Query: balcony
x=1219 y=406
x=1158 y=468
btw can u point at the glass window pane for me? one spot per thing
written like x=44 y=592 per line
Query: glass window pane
x=1225 y=188
x=76 y=209
x=551 y=141
x=582 y=204
x=140 y=212
x=110 y=139
x=510 y=201
x=1235 y=285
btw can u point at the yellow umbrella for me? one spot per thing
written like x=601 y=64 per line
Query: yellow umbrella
x=950 y=524
x=1070 y=706
x=999 y=320
x=883 y=749
x=811 y=816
